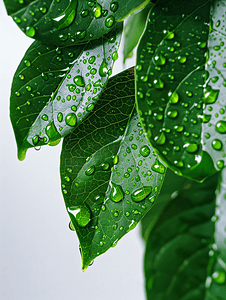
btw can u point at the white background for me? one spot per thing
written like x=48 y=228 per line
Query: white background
x=39 y=256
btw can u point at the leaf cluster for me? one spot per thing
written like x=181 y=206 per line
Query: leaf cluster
x=121 y=133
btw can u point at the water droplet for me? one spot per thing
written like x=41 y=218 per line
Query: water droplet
x=105 y=166
x=30 y=31
x=60 y=117
x=174 y=98
x=158 y=84
x=71 y=119
x=221 y=127
x=159 y=60
x=220 y=164
x=109 y=21
x=182 y=59
x=116 y=193
x=90 y=107
x=219 y=277
x=115 y=159
x=191 y=147
x=78 y=80
x=218 y=23
x=158 y=167
x=90 y=170
x=97 y=10
x=145 y=151
x=170 y=36
x=66 y=18
x=114 y=6
x=81 y=214
x=115 y=55
x=45 y=117
x=52 y=132
x=71 y=226
x=172 y=114
x=141 y=193
x=35 y=140
x=217 y=144
x=27 y=63
x=103 y=68
x=210 y=95
x=160 y=139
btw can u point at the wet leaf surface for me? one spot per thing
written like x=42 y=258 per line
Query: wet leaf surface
x=68 y=22
x=54 y=88
x=110 y=175
x=179 y=94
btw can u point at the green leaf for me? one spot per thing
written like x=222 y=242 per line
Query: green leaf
x=54 y=88
x=133 y=30
x=110 y=175
x=171 y=185
x=179 y=94
x=68 y=22
x=180 y=247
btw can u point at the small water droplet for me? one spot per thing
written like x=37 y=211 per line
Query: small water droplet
x=219 y=276
x=158 y=167
x=221 y=127
x=109 y=21
x=103 y=70
x=90 y=170
x=30 y=31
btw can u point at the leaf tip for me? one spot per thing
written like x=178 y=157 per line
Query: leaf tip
x=21 y=153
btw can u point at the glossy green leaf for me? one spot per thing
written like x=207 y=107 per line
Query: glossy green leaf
x=171 y=185
x=133 y=29
x=68 y=22
x=179 y=96
x=181 y=250
x=110 y=175
x=54 y=88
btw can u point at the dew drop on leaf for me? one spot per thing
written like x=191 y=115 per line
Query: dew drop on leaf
x=116 y=193
x=141 y=193
x=145 y=151
x=30 y=31
x=191 y=147
x=158 y=167
x=90 y=170
x=109 y=22
x=217 y=144
x=71 y=119
x=221 y=127
x=81 y=213
x=78 y=80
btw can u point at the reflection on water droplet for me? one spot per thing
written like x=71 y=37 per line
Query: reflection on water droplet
x=71 y=119
x=141 y=193
x=66 y=18
x=158 y=167
x=116 y=193
x=81 y=214
x=145 y=151
x=30 y=31
x=90 y=170
x=78 y=80
x=221 y=127
x=191 y=147
x=217 y=144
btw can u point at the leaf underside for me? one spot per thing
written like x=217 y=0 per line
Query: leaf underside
x=55 y=88
x=66 y=23
x=180 y=251
x=179 y=96
x=110 y=175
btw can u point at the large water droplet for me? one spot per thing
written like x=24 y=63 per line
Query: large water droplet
x=81 y=214
x=90 y=170
x=191 y=147
x=141 y=193
x=30 y=31
x=103 y=70
x=116 y=193
x=158 y=167
x=217 y=144
x=67 y=16
x=145 y=150
x=174 y=98
x=221 y=127
x=78 y=80
x=52 y=132
x=109 y=21
x=71 y=119
x=159 y=60
x=160 y=139
x=97 y=10
x=210 y=95
x=219 y=277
